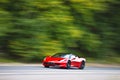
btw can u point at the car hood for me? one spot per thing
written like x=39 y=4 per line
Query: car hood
x=54 y=59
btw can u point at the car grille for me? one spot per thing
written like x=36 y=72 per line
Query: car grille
x=49 y=63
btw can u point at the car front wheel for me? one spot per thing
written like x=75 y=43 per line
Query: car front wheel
x=68 y=65
x=46 y=66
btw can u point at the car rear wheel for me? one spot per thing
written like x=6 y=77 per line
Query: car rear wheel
x=82 y=66
x=68 y=65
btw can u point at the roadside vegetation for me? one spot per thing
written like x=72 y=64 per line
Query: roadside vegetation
x=33 y=29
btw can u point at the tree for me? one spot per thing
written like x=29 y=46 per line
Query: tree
x=35 y=28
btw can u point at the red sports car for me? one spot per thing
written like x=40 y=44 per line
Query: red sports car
x=64 y=60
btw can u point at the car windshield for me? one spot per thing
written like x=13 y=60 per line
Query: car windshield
x=61 y=55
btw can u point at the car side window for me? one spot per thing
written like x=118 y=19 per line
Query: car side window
x=66 y=56
x=72 y=56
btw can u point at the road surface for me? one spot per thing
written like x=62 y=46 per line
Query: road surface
x=38 y=72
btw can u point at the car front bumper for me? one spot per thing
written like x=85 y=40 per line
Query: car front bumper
x=55 y=64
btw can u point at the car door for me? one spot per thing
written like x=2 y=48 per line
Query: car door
x=74 y=61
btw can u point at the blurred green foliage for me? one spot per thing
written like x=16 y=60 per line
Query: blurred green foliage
x=32 y=29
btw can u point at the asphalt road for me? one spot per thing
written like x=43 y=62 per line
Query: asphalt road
x=38 y=72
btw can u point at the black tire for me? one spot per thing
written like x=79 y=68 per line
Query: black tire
x=68 y=65
x=46 y=66
x=82 y=66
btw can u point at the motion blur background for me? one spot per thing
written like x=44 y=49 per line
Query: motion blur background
x=33 y=29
